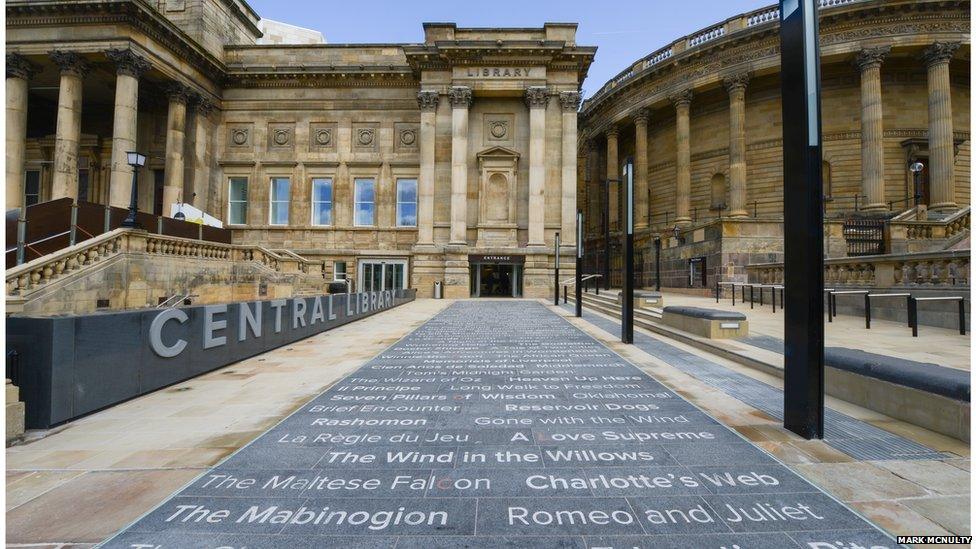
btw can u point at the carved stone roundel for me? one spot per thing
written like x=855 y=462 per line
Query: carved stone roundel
x=239 y=136
x=281 y=137
x=408 y=137
x=323 y=136
x=365 y=137
x=498 y=129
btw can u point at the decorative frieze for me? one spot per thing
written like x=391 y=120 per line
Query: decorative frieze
x=128 y=63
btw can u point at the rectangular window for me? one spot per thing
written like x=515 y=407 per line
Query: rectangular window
x=32 y=188
x=237 y=201
x=280 y=195
x=365 y=203
x=406 y=208
x=339 y=270
x=321 y=201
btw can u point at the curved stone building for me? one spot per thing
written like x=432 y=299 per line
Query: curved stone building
x=399 y=165
x=701 y=120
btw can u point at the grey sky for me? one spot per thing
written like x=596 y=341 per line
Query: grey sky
x=623 y=31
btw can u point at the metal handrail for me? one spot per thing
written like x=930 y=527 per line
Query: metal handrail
x=572 y=281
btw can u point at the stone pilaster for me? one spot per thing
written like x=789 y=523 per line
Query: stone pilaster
x=68 y=133
x=19 y=72
x=570 y=102
x=537 y=98
x=178 y=95
x=682 y=194
x=128 y=68
x=202 y=130
x=641 y=118
x=427 y=100
x=736 y=86
x=943 y=188
x=613 y=179
x=595 y=190
x=460 y=97
x=868 y=62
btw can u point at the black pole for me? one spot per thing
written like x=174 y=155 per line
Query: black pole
x=657 y=264
x=555 y=294
x=627 y=326
x=579 y=263
x=803 y=403
x=606 y=235
x=130 y=220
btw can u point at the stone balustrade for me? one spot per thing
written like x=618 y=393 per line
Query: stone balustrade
x=930 y=269
x=24 y=279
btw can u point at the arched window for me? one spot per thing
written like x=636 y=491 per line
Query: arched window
x=718 y=191
x=825 y=175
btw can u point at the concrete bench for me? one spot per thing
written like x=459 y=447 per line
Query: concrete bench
x=644 y=298
x=710 y=323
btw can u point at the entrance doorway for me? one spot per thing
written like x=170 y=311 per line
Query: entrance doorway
x=382 y=274
x=496 y=276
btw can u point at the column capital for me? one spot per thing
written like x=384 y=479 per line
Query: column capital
x=642 y=115
x=128 y=63
x=939 y=52
x=570 y=100
x=203 y=105
x=736 y=82
x=427 y=100
x=612 y=131
x=178 y=92
x=71 y=63
x=681 y=98
x=19 y=67
x=536 y=97
x=460 y=96
x=871 y=58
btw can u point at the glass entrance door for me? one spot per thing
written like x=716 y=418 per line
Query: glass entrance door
x=496 y=280
x=385 y=274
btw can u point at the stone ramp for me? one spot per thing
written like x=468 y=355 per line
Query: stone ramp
x=499 y=424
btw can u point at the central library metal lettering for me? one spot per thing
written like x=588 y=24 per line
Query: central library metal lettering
x=474 y=432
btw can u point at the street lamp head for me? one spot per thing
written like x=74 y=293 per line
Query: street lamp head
x=179 y=216
x=916 y=167
x=135 y=159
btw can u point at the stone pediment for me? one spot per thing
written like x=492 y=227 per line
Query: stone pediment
x=499 y=153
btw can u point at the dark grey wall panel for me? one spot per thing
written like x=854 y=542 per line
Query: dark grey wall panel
x=70 y=366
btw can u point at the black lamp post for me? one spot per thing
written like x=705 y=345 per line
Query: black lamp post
x=555 y=293
x=627 y=326
x=657 y=264
x=579 y=263
x=137 y=161
x=916 y=169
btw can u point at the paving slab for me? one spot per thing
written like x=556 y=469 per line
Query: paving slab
x=577 y=448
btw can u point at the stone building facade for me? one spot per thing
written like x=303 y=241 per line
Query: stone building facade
x=701 y=121
x=400 y=165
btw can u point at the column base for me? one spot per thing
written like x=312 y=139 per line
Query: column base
x=943 y=207
x=738 y=214
x=878 y=207
x=683 y=220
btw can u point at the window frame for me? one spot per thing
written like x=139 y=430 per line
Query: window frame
x=331 y=202
x=231 y=201
x=27 y=195
x=357 y=202
x=416 y=206
x=272 y=201
x=335 y=270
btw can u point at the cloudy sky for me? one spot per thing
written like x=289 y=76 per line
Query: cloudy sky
x=623 y=31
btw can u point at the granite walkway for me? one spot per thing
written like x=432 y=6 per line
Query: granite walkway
x=500 y=424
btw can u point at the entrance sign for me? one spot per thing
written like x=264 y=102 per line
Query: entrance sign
x=499 y=424
x=499 y=259
x=803 y=391
x=74 y=365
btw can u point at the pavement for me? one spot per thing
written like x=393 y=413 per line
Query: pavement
x=79 y=485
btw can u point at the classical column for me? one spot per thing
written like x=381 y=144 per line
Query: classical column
x=460 y=97
x=868 y=61
x=682 y=193
x=612 y=183
x=736 y=86
x=175 y=138
x=594 y=190
x=68 y=133
x=640 y=168
x=943 y=190
x=427 y=100
x=200 y=167
x=128 y=68
x=19 y=71
x=570 y=102
x=537 y=98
